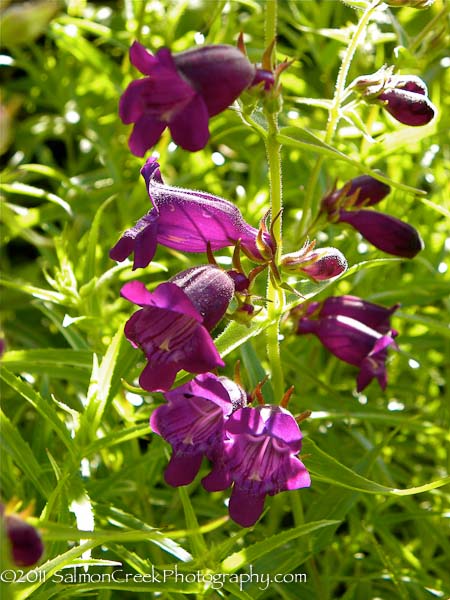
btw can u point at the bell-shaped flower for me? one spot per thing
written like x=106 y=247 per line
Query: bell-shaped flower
x=25 y=541
x=185 y=220
x=182 y=92
x=384 y=231
x=259 y=458
x=193 y=423
x=353 y=342
x=170 y=327
x=373 y=315
x=356 y=193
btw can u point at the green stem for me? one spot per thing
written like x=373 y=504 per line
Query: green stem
x=335 y=112
x=274 y=294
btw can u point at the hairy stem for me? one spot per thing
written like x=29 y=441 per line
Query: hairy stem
x=274 y=294
x=335 y=113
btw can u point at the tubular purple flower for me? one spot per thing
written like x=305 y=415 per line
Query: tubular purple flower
x=385 y=232
x=172 y=326
x=184 y=220
x=259 y=457
x=373 y=315
x=358 y=192
x=353 y=342
x=25 y=541
x=193 y=423
x=181 y=91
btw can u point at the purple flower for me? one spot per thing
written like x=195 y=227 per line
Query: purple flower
x=353 y=341
x=24 y=539
x=373 y=315
x=193 y=423
x=185 y=220
x=358 y=192
x=319 y=264
x=181 y=91
x=385 y=232
x=405 y=97
x=259 y=458
x=172 y=326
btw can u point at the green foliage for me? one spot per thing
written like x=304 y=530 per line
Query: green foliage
x=75 y=438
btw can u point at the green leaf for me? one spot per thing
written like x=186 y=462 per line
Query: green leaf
x=28 y=190
x=56 y=362
x=13 y=444
x=326 y=468
x=251 y=553
x=301 y=138
x=43 y=407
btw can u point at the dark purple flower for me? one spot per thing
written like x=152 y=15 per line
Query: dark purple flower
x=405 y=97
x=185 y=220
x=385 y=232
x=259 y=458
x=24 y=539
x=193 y=423
x=170 y=328
x=353 y=342
x=319 y=264
x=356 y=193
x=373 y=315
x=181 y=91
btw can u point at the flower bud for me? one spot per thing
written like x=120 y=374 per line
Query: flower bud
x=319 y=265
x=385 y=232
x=361 y=191
x=24 y=539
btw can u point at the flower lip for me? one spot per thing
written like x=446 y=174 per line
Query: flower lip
x=170 y=331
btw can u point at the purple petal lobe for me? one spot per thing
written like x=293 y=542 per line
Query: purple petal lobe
x=145 y=134
x=245 y=509
x=189 y=126
x=182 y=469
x=141 y=58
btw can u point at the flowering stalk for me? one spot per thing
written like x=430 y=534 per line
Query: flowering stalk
x=273 y=149
x=335 y=111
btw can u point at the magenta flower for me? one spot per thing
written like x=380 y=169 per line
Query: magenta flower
x=181 y=92
x=193 y=423
x=259 y=458
x=353 y=341
x=373 y=315
x=385 y=232
x=172 y=327
x=25 y=541
x=185 y=220
x=406 y=99
x=356 y=193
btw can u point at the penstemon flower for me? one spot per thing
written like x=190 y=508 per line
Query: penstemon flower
x=185 y=220
x=172 y=327
x=24 y=540
x=355 y=331
x=259 y=458
x=182 y=92
x=193 y=423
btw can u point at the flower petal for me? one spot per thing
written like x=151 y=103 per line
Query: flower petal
x=145 y=134
x=156 y=379
x=142 y=59
x=189 y=126
x=182 y=469
x=245 y=509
